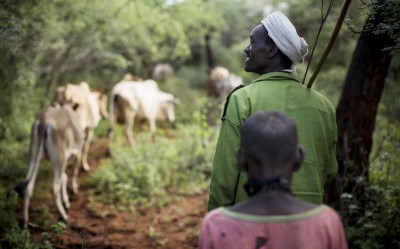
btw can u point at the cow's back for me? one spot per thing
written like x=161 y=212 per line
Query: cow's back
x=63 y=125
x=140 y=97
x=88 y=108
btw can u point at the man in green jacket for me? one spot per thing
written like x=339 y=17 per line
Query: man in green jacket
x=274 y=49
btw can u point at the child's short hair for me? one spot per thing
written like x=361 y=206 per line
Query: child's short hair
x=270 y=137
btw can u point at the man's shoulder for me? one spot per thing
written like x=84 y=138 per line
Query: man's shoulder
x=323 y=99
x=237 y=90
x=312 y=97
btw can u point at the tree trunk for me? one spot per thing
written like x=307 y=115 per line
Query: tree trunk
x=210 y=64
x=209 y=56
x=356 y=113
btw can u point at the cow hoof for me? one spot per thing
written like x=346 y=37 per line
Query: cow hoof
x=63 y=218
x=66 y=206
x=86 y=167
x=75 y=188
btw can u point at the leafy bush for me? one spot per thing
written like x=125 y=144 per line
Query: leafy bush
x=379 y=227
x=7 y=214
x=20 y=238
x=13 y=162
x=145 y=173
x=12 y=236
x=383 y=160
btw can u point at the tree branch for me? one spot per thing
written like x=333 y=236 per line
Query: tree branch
x=335 y=33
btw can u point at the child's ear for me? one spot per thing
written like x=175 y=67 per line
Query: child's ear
x=241 y=159
x=299 y=159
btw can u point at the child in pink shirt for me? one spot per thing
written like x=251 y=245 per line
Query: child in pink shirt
x=272 y=217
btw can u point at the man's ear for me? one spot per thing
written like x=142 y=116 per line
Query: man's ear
x=299 y=159
x=272 y=50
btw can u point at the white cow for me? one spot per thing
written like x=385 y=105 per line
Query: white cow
x=56 y=135
x=140 y=100
x=88 y=111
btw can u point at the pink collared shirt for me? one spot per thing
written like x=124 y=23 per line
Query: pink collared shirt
x=318 y=228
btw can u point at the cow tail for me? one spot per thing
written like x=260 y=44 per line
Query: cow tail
x=19 y=189
x=35 y=155
x=46 y=136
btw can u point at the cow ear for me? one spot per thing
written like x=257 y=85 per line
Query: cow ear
x=173 y=101
x=56 y=104
x=176 y=101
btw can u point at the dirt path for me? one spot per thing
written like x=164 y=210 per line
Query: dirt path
x=174 y=226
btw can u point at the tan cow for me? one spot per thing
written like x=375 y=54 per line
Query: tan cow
x=88 y=111
x=100 y=97
x=162 y=72
x=140 y=101
x=130 y=77
x=221 y=82
x=56 y=135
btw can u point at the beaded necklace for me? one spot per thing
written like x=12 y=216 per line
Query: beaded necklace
x=253 y=187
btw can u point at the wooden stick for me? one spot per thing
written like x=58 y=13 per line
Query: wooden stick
x=335 y=33
x=323 y=20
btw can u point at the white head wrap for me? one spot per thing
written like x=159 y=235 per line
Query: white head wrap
x=285 y=36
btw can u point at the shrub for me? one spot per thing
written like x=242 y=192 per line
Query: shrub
x=145 y=173
x=16 y=237
x=379 y=226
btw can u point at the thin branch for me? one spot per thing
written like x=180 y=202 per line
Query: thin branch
x=335 y=33
x=323 y=20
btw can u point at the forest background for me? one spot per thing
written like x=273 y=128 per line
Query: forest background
x=47 y=44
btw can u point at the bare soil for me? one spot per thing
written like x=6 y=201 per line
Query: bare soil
x=176 y=225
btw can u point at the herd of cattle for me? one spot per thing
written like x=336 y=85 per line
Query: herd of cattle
x=64 y=130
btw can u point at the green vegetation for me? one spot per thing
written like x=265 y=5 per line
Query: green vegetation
x=146 y=173
x=46 y=44
x=18 y=238
x=178 y=161
x=379 y=226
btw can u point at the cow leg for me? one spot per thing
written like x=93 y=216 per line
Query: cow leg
x=152 y=124
x=65 y=198
x=59 y=161
x=85 y=149
x=57 y=187
x=29 y=190
x=129 y=127
x=75 y=184
x=112 y=118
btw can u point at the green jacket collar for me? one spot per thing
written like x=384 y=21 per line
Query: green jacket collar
x=276 y=76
